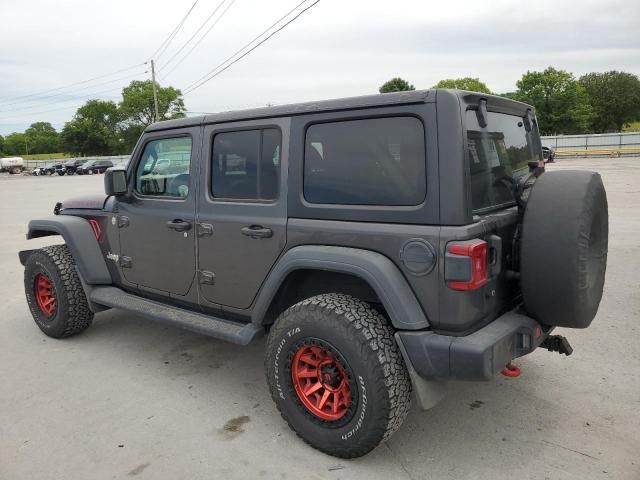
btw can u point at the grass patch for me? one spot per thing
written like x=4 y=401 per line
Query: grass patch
x=46 y=156
x=632 y=127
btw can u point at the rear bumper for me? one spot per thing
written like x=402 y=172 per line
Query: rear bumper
x=478 y=356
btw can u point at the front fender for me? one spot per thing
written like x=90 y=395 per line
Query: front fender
x=82 y=243
x=374 y=268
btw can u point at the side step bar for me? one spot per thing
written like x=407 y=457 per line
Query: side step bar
x=239 y=333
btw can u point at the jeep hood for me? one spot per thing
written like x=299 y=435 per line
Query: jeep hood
x=87 y=202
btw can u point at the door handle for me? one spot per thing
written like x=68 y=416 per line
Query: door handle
x=257 y=231
x=179 y=225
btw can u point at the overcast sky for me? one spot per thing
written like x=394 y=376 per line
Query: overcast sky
x=338 y=48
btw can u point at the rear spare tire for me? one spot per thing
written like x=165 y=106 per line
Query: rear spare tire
x=563 y=260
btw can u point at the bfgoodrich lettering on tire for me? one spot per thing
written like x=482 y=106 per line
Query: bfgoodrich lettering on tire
x=336 y=374
x=54 y=292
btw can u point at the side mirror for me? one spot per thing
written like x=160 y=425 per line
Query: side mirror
x=115 y=181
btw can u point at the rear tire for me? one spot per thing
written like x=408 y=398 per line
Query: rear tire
x=54 y=292
x=363 y=379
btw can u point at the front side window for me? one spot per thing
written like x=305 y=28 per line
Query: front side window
x=499 y=155
x=164 y=168
x=378 y=161
x=246 y=165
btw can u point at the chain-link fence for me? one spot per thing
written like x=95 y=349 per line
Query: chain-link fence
x=601 y=144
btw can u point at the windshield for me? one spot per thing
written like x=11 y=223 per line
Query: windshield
x=499 y=154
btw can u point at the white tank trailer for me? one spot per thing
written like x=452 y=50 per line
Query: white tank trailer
x=12 y=164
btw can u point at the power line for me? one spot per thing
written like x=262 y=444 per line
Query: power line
x=91 y=96
x=63 y=108
x=164 y=45
x=82 y=82
x=247 y=44
x=119 y=79
x=215 y=10
x=218 y=70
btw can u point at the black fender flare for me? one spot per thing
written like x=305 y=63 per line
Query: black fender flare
x=374 y=268
x=82 y=243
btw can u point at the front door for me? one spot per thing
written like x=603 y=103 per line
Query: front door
x=242 y=209
x=156 y=219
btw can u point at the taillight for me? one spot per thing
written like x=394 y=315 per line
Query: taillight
x=466 y=264
x=95 y=226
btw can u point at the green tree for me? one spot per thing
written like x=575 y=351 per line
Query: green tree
x=93 y=130
x=396 y=84
x=466 y=83
x=42 y=138
x=1 y=144
x=16 y=144
x=137 y=106
x=615 y=98
x=562 y=104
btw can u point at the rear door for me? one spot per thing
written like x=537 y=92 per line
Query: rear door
x=157 y=219
x=242 y=212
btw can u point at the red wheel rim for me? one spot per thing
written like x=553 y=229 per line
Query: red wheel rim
x=45 y=294
x=321 y=382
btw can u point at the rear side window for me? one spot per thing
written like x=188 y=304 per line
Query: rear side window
x=378 y=161
x=246 y=164
x=499 y=154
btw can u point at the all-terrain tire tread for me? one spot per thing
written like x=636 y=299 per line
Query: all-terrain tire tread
x=373 y=335
x=78 y=316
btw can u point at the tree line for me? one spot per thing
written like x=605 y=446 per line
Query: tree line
x=598 y=102
x=100 y=127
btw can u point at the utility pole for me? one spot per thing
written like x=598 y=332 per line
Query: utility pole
x=155 y=93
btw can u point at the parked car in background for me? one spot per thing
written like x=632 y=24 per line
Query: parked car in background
x=94 y=166
x=12 y=164
x=49 y=169
x=549 y=154
x=71 y=166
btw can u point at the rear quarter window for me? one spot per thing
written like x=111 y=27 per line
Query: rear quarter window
x=377 y=161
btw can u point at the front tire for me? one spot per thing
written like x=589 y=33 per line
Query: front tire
x=336 y=374
x=54 y=293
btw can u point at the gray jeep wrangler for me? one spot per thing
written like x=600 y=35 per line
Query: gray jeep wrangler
x=385 y=244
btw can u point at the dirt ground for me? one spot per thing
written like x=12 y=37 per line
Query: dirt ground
x=131 y=398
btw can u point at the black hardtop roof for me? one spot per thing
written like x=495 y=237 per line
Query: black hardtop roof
x=365 y=101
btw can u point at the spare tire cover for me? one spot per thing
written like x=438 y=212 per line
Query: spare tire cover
x=563 y=254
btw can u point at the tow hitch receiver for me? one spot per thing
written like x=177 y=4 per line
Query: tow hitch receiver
x=557 y=343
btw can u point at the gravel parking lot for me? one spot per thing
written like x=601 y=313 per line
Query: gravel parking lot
x=132 y=398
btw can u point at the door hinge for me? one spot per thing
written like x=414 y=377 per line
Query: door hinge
x=125 y=262
x=206 y=278
x=204 y=229
x=122 y=221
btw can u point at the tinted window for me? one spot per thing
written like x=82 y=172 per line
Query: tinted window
x=377 y=161
x=164 y=168
x=498 y=155
x=246 y=165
